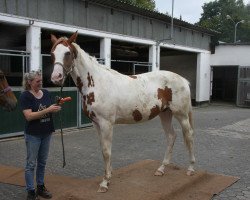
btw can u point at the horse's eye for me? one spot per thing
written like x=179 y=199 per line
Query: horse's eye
x=67 y=53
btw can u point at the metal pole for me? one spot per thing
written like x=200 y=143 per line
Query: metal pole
x=235 y=27
x=172 y=21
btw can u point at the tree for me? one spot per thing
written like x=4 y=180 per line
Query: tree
x=148 y=4
x=214 y=17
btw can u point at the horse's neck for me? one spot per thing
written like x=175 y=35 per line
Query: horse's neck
x=87 y=71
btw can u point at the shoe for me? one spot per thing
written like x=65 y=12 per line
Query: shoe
x=32 y=195
x=43 y=192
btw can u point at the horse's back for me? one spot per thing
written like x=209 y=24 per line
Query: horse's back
x=142 y=97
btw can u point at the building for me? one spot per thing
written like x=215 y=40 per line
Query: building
x=230 y=73
x=123 y=36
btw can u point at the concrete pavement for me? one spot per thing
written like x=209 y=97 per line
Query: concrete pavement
x=222 y=145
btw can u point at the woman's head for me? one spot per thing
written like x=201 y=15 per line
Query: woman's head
x=32 y=80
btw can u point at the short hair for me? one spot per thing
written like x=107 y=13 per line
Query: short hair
x=30 y=76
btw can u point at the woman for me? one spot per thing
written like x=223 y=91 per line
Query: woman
x=37 y=109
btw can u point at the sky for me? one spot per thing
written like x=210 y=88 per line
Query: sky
x=189 y=10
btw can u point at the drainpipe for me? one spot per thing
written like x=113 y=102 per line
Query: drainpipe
x=158 y=42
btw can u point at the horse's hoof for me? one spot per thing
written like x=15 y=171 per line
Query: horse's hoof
x=159 y=173
x=190 y=172
x=102 y=189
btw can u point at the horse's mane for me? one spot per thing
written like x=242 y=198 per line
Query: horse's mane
x=92 y=60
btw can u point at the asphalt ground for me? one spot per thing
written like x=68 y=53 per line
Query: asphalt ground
x=222 y=145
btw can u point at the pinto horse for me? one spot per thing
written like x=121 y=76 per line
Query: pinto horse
x=7 y=98
x=112 y=98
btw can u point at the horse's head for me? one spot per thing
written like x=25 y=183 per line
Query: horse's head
x=7 y=98
x=63 y=54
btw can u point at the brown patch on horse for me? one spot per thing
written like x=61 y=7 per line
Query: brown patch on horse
x=137 y=115
x=90 y=98
x=93 y=84
x=154 y=112
x=92 y=115
x=165 y=95
x=84 y=106
x=133 y=76
x=79 y=84
x=90 y=80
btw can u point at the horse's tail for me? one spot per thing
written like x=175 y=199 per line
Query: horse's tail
x=191 y=122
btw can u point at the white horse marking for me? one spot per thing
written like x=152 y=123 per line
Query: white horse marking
x=112 y=98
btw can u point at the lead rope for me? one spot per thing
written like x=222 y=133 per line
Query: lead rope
x=64 y=162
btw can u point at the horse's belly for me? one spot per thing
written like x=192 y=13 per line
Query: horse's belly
x=136 y=116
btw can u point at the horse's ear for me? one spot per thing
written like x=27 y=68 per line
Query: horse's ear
x=73 y=38
x=53 y=39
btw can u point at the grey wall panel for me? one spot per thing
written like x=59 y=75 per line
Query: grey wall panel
x=44 y=10
x=80 y=14
x=110 y=18
x=22 y=8
x=180 y=35
x=149 y=30
x=11 y=7
x=143 y=23
x=117 y=22
x=68 y=17
x=166 y=31
x=127 y=24
x=197 y=39
x=51 y=10
x=3 y=6
x=97 y=17
x=189 y=38
x=158 y=33
x=205 y=42
x=33 y=9
x=135 y=25
x=57 y=11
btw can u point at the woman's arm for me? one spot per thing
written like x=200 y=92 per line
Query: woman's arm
x=29 y=115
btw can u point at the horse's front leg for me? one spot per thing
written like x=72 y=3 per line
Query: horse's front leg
x=105 y=131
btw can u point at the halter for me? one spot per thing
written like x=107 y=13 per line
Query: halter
x=66 y=70
x=5 y=90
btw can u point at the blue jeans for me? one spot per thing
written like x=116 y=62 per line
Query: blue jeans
x=37 y=153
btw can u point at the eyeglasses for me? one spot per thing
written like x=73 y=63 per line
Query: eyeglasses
x=35 y=72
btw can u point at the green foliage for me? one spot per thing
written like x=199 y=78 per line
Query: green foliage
x=214 y=17
x=148 y=4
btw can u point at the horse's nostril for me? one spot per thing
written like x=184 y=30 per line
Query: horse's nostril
x=60 y=75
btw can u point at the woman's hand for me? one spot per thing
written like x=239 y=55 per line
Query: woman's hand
x=54 y=108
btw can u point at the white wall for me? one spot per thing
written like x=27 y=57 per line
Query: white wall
x=203 y=77
x=231 y=55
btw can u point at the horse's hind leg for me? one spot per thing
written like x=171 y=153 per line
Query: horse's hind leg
x=166 y=121
x=188 y=135
x=105 y=131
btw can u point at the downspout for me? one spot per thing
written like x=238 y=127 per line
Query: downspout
x=158 y=42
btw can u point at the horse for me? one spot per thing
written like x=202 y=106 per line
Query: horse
x=8 y=100
x=110 y=98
